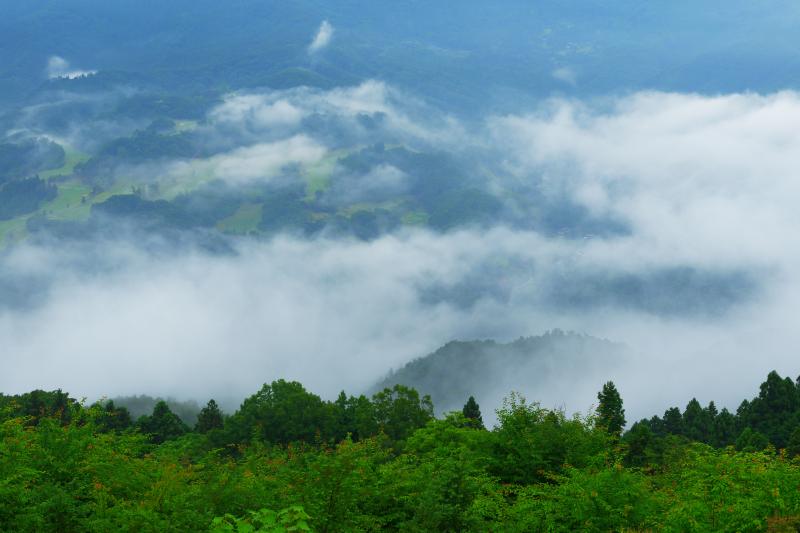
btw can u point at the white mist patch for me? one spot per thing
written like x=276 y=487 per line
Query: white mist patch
x=58 y=67
x=322 y=38
x=256 y=111
x=263 y=161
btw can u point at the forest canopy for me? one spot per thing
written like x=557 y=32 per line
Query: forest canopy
x=288 y=460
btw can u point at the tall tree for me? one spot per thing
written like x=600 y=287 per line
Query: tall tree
x=210 y=417
x=673 y=421
x=610 y=414
x=472 y=412
x=695 y=422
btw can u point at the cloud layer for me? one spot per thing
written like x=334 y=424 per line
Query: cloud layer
x=705 y=186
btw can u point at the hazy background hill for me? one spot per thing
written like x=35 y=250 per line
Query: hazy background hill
x=489 y=370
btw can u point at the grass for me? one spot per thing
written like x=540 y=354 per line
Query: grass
x=72 y=159
x=243 y=221
x=74 y=202
x=318 y=175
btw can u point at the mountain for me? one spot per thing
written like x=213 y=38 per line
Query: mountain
x=488 y=370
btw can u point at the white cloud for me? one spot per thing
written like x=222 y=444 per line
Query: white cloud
x=256 y=111
x=322 y=39
x=263 y=161
x=705 y=180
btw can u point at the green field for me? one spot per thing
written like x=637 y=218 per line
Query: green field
x=73 y=158
x=73 y=202
x=318 y=175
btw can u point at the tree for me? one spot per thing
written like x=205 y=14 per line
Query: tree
x=793 y=446
x=639 y=440
x=472 y=412
x=610 y=414
x=695 y=423
x=673 y=421
x=163 y=424
x=113 y=418
x=724 y=429
x=280 y=413
x=774 y=412
x=400 y=411
x=210 y=417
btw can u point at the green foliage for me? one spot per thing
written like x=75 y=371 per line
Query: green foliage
x=264 y=521
x=281 y=412
x=751 y=441
x=532 y=443
x=71 y=468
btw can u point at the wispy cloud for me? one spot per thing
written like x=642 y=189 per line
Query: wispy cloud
x=322 y=39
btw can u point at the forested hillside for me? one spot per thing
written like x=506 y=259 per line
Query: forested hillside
x=287 y=460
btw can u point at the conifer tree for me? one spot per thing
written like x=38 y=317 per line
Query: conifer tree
x=472 y=412
x=610 y=414
x=210 y=417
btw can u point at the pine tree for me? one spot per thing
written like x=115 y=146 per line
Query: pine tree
x=673 y=421
x=210 y=417
x=472 y=412
x=695 y=423
x=610 y=414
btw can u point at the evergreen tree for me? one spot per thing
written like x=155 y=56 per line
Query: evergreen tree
x=472 y=412
x=774 y=412
x=724 y=429
x=673 y=421
x=639 y=440
x=695 y=423
x=610 y=414
x=210 y=417
x=163 y=424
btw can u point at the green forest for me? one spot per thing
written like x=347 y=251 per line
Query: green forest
x=288 y=460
